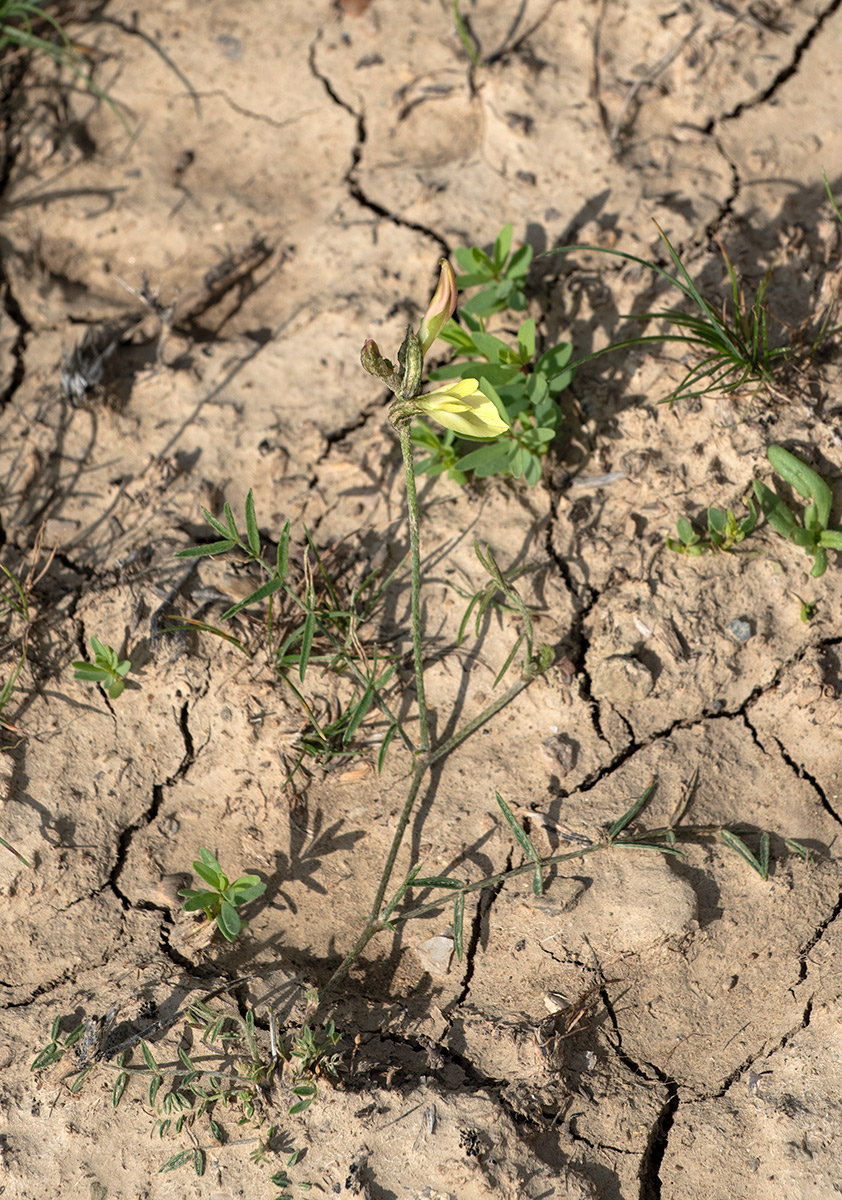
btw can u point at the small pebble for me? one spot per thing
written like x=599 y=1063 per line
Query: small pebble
x=739 y=629
x=435 y=954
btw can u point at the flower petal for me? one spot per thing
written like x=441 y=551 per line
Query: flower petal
x=466 y=410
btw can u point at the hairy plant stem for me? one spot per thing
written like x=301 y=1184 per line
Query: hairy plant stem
x=405 y=434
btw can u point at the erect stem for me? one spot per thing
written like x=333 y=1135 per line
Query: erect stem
x=404 y=432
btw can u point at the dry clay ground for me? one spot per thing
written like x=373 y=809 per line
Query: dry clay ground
x=292 y=174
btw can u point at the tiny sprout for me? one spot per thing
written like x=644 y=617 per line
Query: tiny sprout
x=724 y=532
x=221 y=904
x=107 y=668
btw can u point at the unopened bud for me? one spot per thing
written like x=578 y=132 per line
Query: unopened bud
x=440 y=309
x=376 y=364
x=412 y=361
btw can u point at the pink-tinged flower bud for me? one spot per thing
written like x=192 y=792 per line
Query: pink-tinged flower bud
x=373 y=361
x=440 y=309
x=376 y=364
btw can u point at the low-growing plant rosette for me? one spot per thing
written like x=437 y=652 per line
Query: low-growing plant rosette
x=221 y=904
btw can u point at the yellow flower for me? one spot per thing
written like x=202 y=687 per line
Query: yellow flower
x=463 y=408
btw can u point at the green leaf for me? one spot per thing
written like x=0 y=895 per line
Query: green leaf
x=533 y=471
x=820 y=565
x=79 y=1082
x=776 y=512
x=526 y=340
x=212 y=874
x=519 y=263
x=116 y=688
x=306 y=643
x=198 y=900
x=252 y=532
x=149 y=1057
x=119 y=1087
x=520 y=834
x=178 y=1160
x=553 y=365
x=490 y=459
x=805 y=481
x=185 y=1058
x=444 y=881
x=206 y=551
x=458 y=923
x=359 y=713
x=634 y=844
x=229 y=921
x=46 y=1057
x=266 y=589
x=247 y=888
x=90 y=674
x=630 y=813
x=282 y=567
x=686 y=532
x=490 y=347
x=798 y=848
x=518 y=459
x=157 y=1080
x=232 y=524
x=502 y=246
x=390 y=733
x=717 y=520
x=218 y=527
x=737 y=844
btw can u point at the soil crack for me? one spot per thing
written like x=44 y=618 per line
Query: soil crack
x=789 y=70
x=350 y=178
x=15 y=314
x=649 y=1171
x=148 y=816
x=798 y=769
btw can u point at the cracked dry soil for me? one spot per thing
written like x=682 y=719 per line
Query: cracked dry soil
x=292 y=175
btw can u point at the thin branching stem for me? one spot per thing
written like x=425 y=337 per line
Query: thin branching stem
x=487 y=713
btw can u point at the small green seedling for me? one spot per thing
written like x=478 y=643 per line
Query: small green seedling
x=808 y=609
x=221 y=904
x=813 y=532
x=107 y=668
x=724 y=532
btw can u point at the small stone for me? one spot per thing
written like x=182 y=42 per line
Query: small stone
x=740 y=629
x=435 y=954
x=621 y=679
